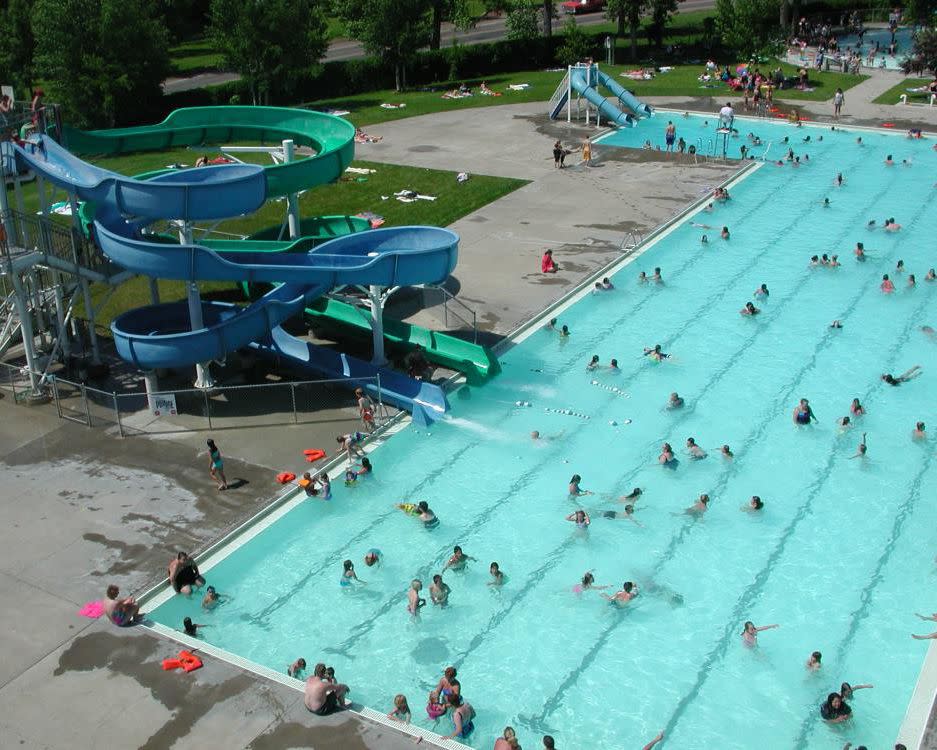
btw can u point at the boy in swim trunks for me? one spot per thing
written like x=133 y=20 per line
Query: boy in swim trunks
x=121 y=612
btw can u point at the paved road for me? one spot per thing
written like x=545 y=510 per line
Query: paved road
x=487 y=30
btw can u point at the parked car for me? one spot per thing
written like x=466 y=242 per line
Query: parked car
x=574 y=7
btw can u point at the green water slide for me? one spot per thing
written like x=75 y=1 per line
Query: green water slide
x=331 y=142
x=330 y=138
x=475 y=361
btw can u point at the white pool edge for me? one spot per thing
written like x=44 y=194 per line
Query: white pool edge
x=197 y=645
x=914 y=727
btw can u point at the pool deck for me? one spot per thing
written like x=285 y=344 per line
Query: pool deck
x=83 y=508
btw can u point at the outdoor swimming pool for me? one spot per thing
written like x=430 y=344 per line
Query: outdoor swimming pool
x=840 y=557
x=883 y=37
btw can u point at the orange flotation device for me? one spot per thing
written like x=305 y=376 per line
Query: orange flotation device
x=186 y=661
x=888 y=124
x=285 y=476
x=314 y=454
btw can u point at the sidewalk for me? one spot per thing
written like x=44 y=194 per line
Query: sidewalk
x=584 y=214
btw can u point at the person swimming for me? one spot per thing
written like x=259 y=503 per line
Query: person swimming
x=699 y=507
x=749 y=309
x=803 y=413
x=666 y=457
x=373 y=557
x=675 y=401
x=903 y=377
x=696 y=453
x=750 y=632
x=862 y=449
x=761 y=291
x=593 y=363
x=574 y=489
x=656 y=354
x=348 y=574
x=887 y=286
x=628 y=592
x=580 y=518
x=726 y=452
x=587 y=584
x=755 y=504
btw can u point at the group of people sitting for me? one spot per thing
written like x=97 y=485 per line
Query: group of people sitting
x=464 y=91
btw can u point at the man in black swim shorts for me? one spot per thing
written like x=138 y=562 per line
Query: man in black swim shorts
x=323 y=696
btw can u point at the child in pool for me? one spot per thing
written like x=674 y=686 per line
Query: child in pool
x=401 y=710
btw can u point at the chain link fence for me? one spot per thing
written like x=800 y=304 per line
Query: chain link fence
x=193 y=409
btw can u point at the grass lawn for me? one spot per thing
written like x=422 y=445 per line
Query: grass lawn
x=195 y=56
x=351 y=195
x=891 y=96
x=681 y=81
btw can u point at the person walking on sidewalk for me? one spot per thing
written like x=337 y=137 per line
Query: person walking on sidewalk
x=216 y=465
x=839 y=99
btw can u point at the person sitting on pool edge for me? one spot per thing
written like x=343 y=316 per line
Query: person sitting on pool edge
x=321 y=696
x=121 y=612
x=184 y=575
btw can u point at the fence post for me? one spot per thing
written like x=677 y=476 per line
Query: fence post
x=293 y=397
x=120 y=427
x=55 y=395
x=84 y=395
x=207 y=407
x=380 y=397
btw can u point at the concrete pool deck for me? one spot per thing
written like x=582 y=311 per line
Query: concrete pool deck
x=82 y=509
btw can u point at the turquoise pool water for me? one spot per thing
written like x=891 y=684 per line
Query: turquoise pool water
x=840 y=556
x=883 y=37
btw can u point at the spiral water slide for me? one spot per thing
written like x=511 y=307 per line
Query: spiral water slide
x=170 y=335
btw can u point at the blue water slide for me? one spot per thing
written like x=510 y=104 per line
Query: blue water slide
x=214 y=192
x=580 y=83
x=625 y=97
x=161 y=336
x=425 y=401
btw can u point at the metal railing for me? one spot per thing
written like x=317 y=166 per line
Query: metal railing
x=636 y=239
x=450 y=306
x=560 y=92
x=192 y=409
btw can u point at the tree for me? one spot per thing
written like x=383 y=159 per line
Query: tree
x=17 y=45
x=627 y=12
x=104 y=60
x=747 y=26
x=923 y=53
x=458 y=12
x=661 y=13
x=270 y=43
x=549 y=10
x=921 y=11
x=185 y=19
x=576 y=45
x=523 y=21
x=391 y=29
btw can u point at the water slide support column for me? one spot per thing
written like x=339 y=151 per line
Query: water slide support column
x=569 y=93
x=203 y=378
x=377 y=325
x=26 y=326
x=6 y=218
x=292 y=200
x=154 y=291
x=85 y=284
